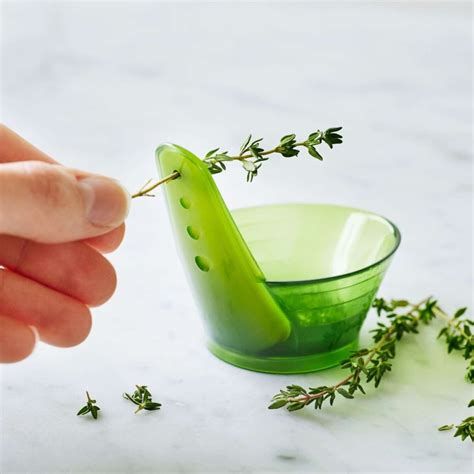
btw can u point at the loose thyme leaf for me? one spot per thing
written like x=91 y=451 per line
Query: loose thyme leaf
x=90 y=407
x=142 y=397
x=445 y=427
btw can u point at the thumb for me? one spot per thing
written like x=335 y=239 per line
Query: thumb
x=51 y=204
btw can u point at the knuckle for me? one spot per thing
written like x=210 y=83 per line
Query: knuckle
x=49 y=183
x=20 y=256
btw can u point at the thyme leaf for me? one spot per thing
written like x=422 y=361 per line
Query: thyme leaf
x=465 y=429
x=89 y=407
x=142 y=398
x=457 y=335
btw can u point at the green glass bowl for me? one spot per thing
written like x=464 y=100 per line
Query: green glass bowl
x=281 y=288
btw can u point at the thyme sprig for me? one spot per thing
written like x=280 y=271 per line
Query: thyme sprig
x=465 y=429
x=89 y=407
x=145 y=190
x=252 y=155
x=458 y=337
x=372 y=363
x=143 y=399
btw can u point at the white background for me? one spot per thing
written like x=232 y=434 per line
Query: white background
x=99 y=85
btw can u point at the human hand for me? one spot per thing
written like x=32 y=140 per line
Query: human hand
x=55 y=223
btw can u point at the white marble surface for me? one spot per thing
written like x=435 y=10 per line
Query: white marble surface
x=99 y=85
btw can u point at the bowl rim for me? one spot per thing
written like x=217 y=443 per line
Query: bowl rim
x=396 y=230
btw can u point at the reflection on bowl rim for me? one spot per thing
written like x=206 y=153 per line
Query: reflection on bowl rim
x=398 y=239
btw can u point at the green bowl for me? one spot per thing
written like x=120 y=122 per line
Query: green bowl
x=281 y=288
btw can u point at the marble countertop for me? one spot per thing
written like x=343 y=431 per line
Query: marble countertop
x=99 y=85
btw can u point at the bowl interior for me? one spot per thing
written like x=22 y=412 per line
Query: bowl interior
x=298 y=242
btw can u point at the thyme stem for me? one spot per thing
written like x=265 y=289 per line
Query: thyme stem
x=143 y=399
x=264 y=153
x=451 y=322
x=252 y=156
x=308 y=397
x=145 y=190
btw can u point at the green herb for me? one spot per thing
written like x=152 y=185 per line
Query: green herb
x=147 y=187
x=252 y=155
x=143 y=399
x=90 y=407
x=458 y=337
x=370 y=364
x=465 y=429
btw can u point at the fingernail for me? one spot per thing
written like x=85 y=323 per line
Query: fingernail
x=106 y=201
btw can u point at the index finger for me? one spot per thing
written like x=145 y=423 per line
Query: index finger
x=15 y=148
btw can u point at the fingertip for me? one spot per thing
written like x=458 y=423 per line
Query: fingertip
x=69 y=331
x=94 y=279
x=105 y=288
x=108 y=242
x=17 y=340
x=106 y=201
